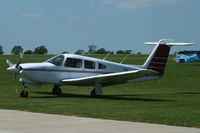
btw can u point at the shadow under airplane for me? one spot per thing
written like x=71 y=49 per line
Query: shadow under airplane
x=111 y=97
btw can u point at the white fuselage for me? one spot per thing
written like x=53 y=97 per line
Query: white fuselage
x=49 y=73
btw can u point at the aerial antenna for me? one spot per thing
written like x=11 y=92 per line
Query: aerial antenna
x=124 y=59
x=106 y=56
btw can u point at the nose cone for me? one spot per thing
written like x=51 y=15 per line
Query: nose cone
x=13 y=69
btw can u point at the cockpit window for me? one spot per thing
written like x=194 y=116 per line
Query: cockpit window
x=72 y=62
x=58 y=60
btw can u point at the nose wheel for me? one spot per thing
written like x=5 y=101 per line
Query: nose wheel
x=24 y=93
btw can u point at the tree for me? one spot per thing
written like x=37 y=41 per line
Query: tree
x=28 y=52
x=139 y=53
x=92 y=49
x=65 y=52
x=120 y=52
x=128 y=51
x=101 y=51
x=17 y=50
x=79 y=51
x=124 y=51
x=111 y=52
x=1 y=50
x=40 y=50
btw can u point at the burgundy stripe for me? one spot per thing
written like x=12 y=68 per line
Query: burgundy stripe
x=158 y=62
x=156 y=65
x=162 y=51
x=57 y=70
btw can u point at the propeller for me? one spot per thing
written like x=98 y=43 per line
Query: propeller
x=19 y=61
x=15 y=68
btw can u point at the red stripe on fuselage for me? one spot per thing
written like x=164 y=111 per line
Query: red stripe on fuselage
x=58 y=70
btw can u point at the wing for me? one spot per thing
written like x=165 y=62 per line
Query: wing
x=109 y=79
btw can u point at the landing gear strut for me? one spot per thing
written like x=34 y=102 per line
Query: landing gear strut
x=56 y=90
x=24 y=92
x=97 y=91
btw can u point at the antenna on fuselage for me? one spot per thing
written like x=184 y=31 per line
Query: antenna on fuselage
x=124 y=59
x=106 y=56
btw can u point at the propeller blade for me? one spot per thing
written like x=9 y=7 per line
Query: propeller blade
x=9 y=63
x=19 y=61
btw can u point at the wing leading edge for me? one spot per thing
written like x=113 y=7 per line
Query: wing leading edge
x=111 y=78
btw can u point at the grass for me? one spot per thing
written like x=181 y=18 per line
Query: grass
x=173 y=100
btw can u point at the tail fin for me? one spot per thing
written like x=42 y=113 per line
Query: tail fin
x=158 y=58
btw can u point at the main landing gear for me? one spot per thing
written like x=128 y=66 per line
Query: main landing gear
x=56 y=90
x=97 y=91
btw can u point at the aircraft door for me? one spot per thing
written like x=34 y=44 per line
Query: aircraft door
x=74 y=67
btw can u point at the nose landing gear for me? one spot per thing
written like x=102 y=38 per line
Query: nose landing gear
x=24 y=92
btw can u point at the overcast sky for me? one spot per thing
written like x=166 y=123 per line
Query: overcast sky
x=68 y=25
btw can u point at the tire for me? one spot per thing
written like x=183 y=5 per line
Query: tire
x=92 y=93
x=57 y=91
x=54 y=91
x=24 y=93
x=182 y=60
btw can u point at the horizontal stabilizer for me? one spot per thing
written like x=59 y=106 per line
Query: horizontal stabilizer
x=169 y=43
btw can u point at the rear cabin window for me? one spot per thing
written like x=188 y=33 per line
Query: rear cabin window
x=73 y=62
x=58 y=60
x=89 y=64
x=102 y=66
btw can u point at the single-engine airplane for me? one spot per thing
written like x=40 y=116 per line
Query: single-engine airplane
x=70 y=69
x=187 y=56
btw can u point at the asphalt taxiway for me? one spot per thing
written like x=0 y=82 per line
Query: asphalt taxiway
x=26 y=122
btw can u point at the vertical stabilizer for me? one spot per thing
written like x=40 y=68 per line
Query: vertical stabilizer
x=158 y=58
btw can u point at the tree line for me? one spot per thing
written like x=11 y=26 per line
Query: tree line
x=19 y=50
x=92 y=49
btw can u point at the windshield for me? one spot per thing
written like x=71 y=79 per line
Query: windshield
x=58 y=60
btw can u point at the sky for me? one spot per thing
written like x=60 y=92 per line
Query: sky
x=68 y=25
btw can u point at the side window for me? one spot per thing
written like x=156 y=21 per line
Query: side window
x=102 y=66
x=57 y=60
x=72 y=62
x=89 y=64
